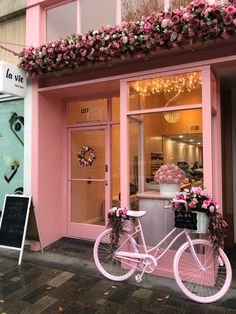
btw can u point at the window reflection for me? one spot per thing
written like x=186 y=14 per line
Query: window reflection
x=134 y=9
x=61 y=21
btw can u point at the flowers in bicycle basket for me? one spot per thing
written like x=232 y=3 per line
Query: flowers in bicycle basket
x=117 y=218
x=199 y=200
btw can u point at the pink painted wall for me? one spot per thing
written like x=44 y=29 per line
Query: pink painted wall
x=51 y=183
x=48 y=144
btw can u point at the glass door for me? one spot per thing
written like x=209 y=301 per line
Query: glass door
x=87 y=182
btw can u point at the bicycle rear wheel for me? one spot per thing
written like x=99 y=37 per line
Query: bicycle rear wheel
x=203 y=286
x=111 y=266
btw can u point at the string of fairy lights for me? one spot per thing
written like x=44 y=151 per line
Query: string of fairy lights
x=168 y=85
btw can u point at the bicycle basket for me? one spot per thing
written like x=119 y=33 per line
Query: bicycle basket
x=128 y=225
x=202 y=223
x=187 y=220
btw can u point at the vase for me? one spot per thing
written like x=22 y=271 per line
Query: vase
x=169 y=189
x=202 y=223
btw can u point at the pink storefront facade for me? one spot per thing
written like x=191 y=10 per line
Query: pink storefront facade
x=131 y=130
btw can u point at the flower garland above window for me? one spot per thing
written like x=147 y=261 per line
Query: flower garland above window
x=86 y=156
x=198 y=22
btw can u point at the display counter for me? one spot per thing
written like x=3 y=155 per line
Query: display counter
x=157 y=223
x=159 y=220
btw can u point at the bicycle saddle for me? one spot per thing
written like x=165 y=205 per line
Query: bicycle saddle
x=136 y=214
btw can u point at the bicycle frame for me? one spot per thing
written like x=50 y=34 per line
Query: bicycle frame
x=152 y=252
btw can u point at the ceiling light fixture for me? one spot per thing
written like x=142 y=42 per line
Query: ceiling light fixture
x=172 y=116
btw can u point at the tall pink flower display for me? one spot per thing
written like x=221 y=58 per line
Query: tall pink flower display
x=170 y=174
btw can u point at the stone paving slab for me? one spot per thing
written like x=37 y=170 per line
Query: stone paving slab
x=65 y=280
x=60 y=279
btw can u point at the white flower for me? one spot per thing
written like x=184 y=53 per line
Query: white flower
x=164 y=23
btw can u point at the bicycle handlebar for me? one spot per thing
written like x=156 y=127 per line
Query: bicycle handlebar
x=178 y=202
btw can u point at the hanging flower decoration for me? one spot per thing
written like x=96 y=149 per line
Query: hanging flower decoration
x=198 y=22
x=117 y=221
x=86 y=156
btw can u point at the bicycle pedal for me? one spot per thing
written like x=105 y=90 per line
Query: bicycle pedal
x=138 y=278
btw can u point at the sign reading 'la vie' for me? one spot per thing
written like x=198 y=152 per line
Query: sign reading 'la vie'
x=12 y=80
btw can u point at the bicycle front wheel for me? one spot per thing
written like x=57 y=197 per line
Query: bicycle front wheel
x=207 y=285
x=111 y=266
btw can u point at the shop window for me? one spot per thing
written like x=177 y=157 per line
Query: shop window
x=11 y=147
x=132 y=10
x=93 y=16
x=61 y=21
x=166 y=91
x=177 y=3
x=87 y=111
x=154 y=142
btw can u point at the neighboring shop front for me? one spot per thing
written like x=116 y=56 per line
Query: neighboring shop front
x=12 y=124
x=11 y=147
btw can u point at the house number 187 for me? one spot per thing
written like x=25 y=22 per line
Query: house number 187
x=84 y=110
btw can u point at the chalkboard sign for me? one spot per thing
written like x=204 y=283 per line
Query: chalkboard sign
x=14 y=220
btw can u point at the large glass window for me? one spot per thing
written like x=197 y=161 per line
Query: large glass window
x=61 y=21
x=154 y=141
x=166 y=91
x=95 y=13
x=11 y=147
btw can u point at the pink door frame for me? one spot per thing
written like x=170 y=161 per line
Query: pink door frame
x=83 y=230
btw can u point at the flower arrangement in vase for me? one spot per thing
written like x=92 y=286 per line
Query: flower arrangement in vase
x=169 y=177
x=199 y=200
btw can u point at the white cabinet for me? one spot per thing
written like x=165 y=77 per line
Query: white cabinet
x=158 y=221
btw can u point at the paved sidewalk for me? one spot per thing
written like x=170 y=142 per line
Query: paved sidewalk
x=65 y=280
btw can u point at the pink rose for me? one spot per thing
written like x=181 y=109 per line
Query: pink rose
x=212 y=209
x=175 y=19
x=205 y=204
x=231 y=10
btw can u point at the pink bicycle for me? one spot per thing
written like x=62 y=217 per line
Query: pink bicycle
x=203 y=275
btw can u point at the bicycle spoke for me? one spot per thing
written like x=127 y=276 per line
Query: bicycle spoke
x=202 y=285
x=112 y=266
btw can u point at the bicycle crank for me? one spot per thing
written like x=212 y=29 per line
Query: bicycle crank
x=148 y=265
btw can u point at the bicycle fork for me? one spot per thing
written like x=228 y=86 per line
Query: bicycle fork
x=198 y=262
